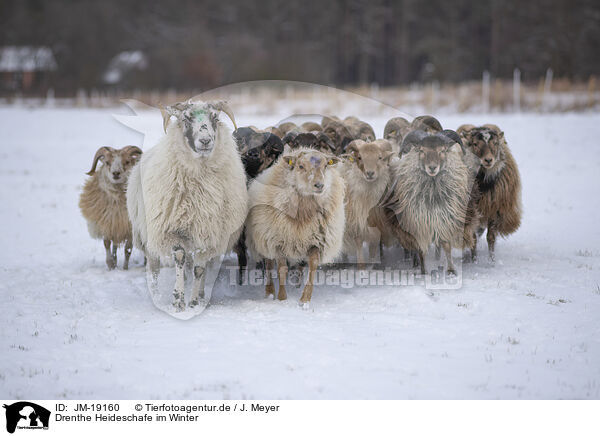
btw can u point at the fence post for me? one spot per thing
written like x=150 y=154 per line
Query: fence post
x=50 y=102
x=547 y=89
x=517 y=90
x=485 y=91
x=591 y=91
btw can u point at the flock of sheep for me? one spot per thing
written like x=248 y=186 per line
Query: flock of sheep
x=299 y=195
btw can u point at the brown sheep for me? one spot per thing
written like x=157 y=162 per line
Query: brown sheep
x=103 y=203
x=498 y=181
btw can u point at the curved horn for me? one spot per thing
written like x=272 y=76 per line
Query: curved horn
x=455 y=137
x=100 y=153
x=353 y=146
x=166 y=116
x=413 y=138
x=130 y=150
x=223 y=106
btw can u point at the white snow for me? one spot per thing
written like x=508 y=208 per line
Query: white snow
x=526 y=327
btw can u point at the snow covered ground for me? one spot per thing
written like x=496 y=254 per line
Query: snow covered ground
x=526 y=327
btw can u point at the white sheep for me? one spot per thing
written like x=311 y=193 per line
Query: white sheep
x=187 y=197
x=296 y=213
x=102 y=201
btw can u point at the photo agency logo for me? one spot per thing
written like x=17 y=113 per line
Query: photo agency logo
x=25 y=415
x=309 y=197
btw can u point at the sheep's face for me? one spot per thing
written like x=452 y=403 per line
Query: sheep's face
x=369 y=158
x=485 y=144
x=432 y=159
x=311 y=171
x=265 y=149
x=117 y=164
x=198 y=123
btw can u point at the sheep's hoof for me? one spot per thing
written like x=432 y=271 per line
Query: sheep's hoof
x=451 y=272
x=270 y=291
x=111 y=264
x=179 y=303
x=304 y=305
x=282 y=296
x=195 y=302
x=492 y=257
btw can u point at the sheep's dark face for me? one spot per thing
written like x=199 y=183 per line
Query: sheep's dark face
x=432 y=159
x=485 y=144
x=311 y=172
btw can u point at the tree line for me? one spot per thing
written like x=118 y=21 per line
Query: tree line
x=203 y=44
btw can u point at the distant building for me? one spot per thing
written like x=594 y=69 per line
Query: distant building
x=123 y=64
x=26 y=68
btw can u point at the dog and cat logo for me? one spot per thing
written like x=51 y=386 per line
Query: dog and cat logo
x=26 y=415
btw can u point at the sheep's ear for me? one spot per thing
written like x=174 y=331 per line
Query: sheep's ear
x=101 y=154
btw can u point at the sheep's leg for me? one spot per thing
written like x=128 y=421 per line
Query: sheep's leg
x=270 y=288
x=438 y=252
x=152 y=271
x=373 y=251
x=240 y=250
x=198 y=284
x=448 y=250
x=491 y=239
x=313 y=263
x=114 y=252
x=110 y=260
x=127 y=254
x=421 y=258
x=179 y=291
x=474 y=248
x=282 y=270
x=360 y=258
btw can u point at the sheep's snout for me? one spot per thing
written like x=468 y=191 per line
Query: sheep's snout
x=432 y=170
x=488 y=161
x=116 y=171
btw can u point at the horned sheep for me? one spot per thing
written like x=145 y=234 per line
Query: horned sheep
x=431 y=199
x=187 y=197
x=103 y=203
x=498 y=181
